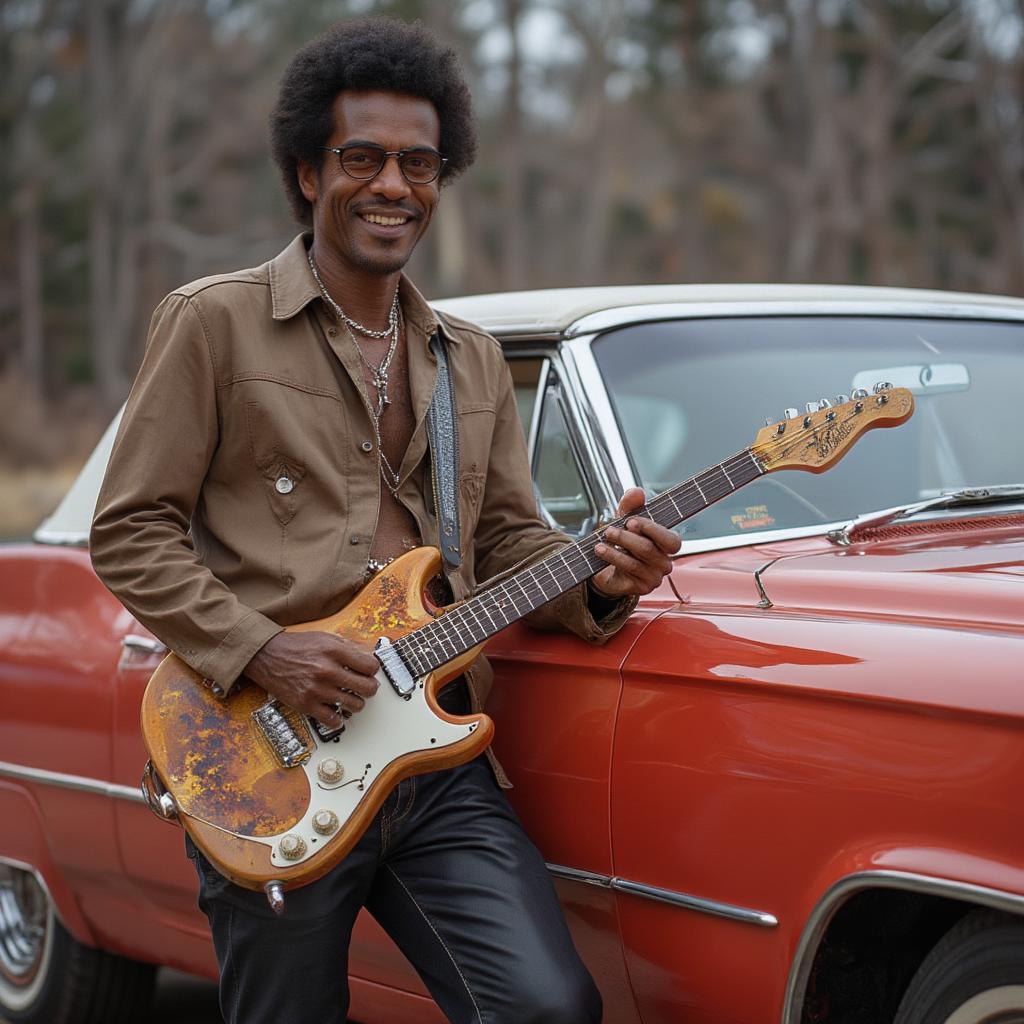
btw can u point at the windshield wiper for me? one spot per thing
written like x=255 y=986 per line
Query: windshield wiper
x=993 y=495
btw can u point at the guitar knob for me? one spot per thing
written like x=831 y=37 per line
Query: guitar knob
x=292 y=847
x=330 y=770
x=325 y=822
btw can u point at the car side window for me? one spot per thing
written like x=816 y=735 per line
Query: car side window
x=562 y=495
x=556 y=470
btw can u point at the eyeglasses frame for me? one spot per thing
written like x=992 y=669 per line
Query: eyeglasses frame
x=396 y=153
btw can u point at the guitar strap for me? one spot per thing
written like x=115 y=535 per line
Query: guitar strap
x=443 y=437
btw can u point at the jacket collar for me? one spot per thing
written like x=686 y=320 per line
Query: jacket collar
x=292 y=288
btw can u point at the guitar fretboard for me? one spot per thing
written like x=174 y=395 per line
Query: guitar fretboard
x=480 y=617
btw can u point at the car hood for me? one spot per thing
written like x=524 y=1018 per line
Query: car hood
x=964 y=571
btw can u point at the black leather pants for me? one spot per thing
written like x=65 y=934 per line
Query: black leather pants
x=449 y=873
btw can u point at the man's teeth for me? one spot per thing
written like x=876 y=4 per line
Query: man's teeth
x=376 y=218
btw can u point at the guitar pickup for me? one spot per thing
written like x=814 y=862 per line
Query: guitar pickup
x=395 y=669
x=284 y=739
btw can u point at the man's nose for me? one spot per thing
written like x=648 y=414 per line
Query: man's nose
x=390 y=181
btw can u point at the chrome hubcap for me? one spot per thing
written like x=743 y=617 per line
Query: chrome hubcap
x=23 y=924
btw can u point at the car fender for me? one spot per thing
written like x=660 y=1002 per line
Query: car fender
x=23 y=844
x=881 y=864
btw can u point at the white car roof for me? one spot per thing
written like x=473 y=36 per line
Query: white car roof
x=555 y=311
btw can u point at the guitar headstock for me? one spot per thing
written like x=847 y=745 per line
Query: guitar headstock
x=819 y=438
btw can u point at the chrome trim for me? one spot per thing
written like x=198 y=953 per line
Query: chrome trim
x=667 y=896
x=678 y=899
x=134 y=642
x=65 y=781
x=827 y=906
x=595 y=409
x=576 y=875
x=624 y=316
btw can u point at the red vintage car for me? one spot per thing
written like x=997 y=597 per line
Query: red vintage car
x=790 y=790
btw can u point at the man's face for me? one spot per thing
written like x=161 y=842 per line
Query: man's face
x=344 y=209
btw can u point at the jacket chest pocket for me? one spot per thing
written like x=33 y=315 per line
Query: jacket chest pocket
x=476 y=429
x=280 y=469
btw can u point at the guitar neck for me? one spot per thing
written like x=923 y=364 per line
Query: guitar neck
x=480 y=617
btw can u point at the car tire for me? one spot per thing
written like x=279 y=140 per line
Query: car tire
x=974 y=974
x=47 y=977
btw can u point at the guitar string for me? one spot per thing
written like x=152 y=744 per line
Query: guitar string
x=448 y=630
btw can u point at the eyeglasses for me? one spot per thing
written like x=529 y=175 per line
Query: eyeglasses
x=366 y=161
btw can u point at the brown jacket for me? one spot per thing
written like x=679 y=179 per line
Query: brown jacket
x=246 y=380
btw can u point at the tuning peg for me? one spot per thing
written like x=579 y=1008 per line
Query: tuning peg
x=860 y=393
x=790 y=414
x=824 y=403
x=880 y=387
x=811 y=406
x=841 y=399
x=768 y=421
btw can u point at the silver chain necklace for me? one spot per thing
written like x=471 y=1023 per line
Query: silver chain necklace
x=380 y=373
x=355 y=325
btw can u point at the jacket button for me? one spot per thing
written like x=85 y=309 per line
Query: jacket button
x=284 y=485
x=355 y=540
x=367 y=446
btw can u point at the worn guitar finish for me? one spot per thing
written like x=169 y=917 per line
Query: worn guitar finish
x=232 y=792
x=270 y=800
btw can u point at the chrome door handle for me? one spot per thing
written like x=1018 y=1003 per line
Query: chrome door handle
x=134 y=642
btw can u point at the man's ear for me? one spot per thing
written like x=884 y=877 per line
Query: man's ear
x=309 y=180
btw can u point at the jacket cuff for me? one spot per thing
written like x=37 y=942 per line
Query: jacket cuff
x=226 y=662
x=606 y=615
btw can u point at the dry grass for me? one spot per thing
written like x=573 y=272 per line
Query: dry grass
x=42 y=447
x=29 y=495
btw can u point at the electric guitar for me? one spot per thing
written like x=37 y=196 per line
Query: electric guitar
x=274 y=799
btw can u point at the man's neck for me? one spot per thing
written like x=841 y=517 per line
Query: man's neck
x=364 y=296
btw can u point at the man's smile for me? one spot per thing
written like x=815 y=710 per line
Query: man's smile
x=391 y=220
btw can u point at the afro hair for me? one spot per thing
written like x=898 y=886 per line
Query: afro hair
x=371 y=54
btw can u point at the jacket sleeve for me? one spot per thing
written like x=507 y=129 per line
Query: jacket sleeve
x=510 y=534
x=140 y=542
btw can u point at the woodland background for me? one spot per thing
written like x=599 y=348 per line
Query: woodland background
x=863 y=141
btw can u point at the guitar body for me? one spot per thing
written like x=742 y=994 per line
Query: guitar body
x=235 y=795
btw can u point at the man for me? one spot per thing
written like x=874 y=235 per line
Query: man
x=272 y=456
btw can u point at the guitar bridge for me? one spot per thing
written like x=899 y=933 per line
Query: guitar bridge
x=275 y=727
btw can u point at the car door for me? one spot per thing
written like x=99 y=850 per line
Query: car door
x=555 y=700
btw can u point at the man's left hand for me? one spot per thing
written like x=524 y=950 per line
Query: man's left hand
x=637 y=554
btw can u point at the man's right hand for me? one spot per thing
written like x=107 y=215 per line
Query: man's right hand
x=315 y=673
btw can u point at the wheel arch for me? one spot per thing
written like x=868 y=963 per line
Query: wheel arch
x=24 y=845
x=843 y=890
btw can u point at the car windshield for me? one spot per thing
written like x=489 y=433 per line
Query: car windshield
x=690 y=393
